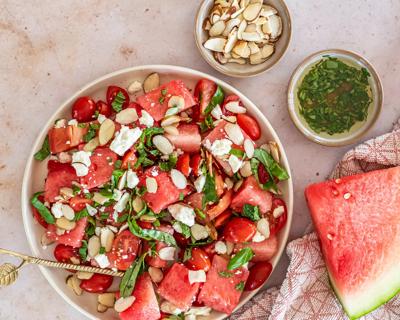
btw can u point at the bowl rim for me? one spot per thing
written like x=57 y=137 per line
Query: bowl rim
x=217 y=66
x=25 y=195
x=291 y=92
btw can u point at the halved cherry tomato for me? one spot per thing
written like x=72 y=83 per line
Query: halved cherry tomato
x=249 y=125
x=221 y=206
x=204 y=92
x=276 y=224
x=83 y=109
x=124 y=250
x=181 y=240
x=64 y=253
x=230 y=98
x=112 y=91
x=78 y=203
x=239 y=230
x=222 y=218
x=98 y=283
x=145 y=224
x=37 y=215
x=263 y=175
x=129 y=159
x=199 y=260
x=259 y=273
x=103 y=108
x=195 y=163
x=183 y=164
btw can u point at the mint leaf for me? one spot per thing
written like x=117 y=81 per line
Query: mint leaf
x=251 y=212
x=118 y=101
x=240 y=258
x=210 y=193
x=44 y=152
x=42 y=209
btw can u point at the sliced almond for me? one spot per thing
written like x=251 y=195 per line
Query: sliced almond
x=267 y=50
x=106 y=131
x=229 y=247
x=245 y=170
x=234 y=56
x=228 y=183
x=66 y=193
x=126 y=116
x=68 y=212
x=217 y=29
x=207 y=24
x=167 y=253
x=242 y=49
x=106 y=299
x=169 y=308
x=101 y=308
x=249 y=148
x=234 y=133
x=235 y=107
x=148 y=218
x=106 y=239
x=266 y=27
x=252 y=11
x=253 y=48
x=268 y=11
x=275 y=23
x=45 y=241
x=93 y=246
x=163 y=144
x=260 y=21
x=124 y=303
x=215 y=18
x=172 y=130
x=237 y=185
x=237 y=13
x=74 y=283
x=82 y=275
x=137 y=204
x=230 y=25
x=263 y=227
x=156 y=274
x=244 y=3
x=151 y=185
x=256 y=58
x=251 y=36
x=232 y=39
x=250 y=28
x=171 y=111
x=176 y=102
x=91 y=145
x=220 y=57
x=151 y=82
x=134 y=87
x=199 y=232
x=241 y=29
x=178 y=179
x=274 y=150
x=65 y=224
x=215 y=44
x=99 y=198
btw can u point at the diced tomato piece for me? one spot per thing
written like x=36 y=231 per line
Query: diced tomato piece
x=259 y=273
x=71 y=238
x=188 y=139
x=112 y=92
x=195 y=200
x=251 y=193
x=183 y=164
x=83 y=109
x=64 y=253
x=239 y=230
x=249 y=125
x=167 y=193
x=145 y=305
x=199 y=260
x=60 y=175
x=195 y=163
x=276 y=224
x=124 y=250
x=103 y=108
x=129 y=159
x=220 y=293
x=101 y=168
x=175 y=287
x=78 y=203
x=263 y=251
x=63 y=139
x=222 y=218
x=153 y=103
x=204 y=92
x=221 y=206
x=98 y=283
x=156 y=261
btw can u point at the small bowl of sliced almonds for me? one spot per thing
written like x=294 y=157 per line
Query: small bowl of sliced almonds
x=242 y=38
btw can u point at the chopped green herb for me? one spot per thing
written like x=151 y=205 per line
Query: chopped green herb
x=42 y=209
x=157 y=223
x=187 y=254
x=116 y=175
x=181 y=196
x=217 y=98
x=83 y=250
x=117 y=164
x=150 y=234
x=128 y=281
x=170 y=164
x=200 y=213
x=207 y=124
x=210 y=192
x=44 y=151
x=164 y=92
x=185 y=229
x=240 y=258
x=119 y=100
x=76 y=190
x=123 y=218
x=81 y=214
x=93 y=127
x=102 y=250
x=225 y=274
x=161 y=100
x=251 y=212
x=240 y=286
x=236 y=152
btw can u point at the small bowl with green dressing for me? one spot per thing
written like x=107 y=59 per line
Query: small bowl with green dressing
x=334 y=97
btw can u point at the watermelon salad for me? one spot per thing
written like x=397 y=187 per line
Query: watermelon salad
x=172 y=187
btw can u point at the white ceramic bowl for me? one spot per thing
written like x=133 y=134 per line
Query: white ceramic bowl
x=35 y=173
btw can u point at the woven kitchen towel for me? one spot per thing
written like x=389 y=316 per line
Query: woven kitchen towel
x=306 y=293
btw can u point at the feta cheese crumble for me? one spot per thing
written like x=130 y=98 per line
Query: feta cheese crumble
x=101 y=118
x=199 y=183
x=221 y=147
x=197 y=276
x=81 y=162
x=146 y=119
x=182 y=213
x=102 y=260
x=220 y=247
x=122 y=202
x=125 y=140
x=56 y=210
x=132 y=179
x=235 y=163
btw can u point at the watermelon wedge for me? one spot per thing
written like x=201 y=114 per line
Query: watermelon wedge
x=357 y=219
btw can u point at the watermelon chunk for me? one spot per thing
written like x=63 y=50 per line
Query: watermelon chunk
x=60 y=175
x=146 y=304
x=263 y=251
x=101 y=168
x=357 y=219
x=175 y=287
x=151 y=100
x=167 y=193
x=251 y=193
x=63 y=139
x=189 y=138
x=71 y=238
x=220 y=293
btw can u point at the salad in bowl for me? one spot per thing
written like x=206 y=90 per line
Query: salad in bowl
x=175 y=187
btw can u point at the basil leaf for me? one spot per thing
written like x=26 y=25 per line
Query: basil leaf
x=118 y=164
x=151 y=234
x=44 y=152
x=217 y=98
x=170 y=164
x=185 y=230
x=148 y=134
x=210 y=193
x=187 y=254
x=236 y=152
x=270 y=184
x=240 y=286
x=200 y=213
x=207 y=124
x=251 y=212
x=81 y=214
x=274 y=169
x=240 y=258
x=116 y=175
x=118 y=101
x=83 y=250
x=128 y=281
x=225 y=274
x=42 y=209
x=93 y=127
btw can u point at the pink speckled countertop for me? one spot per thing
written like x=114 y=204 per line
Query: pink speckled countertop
x=49 y=49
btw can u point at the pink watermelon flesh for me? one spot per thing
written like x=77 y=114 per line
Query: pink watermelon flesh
x=357 y=219
x=71 y=238
x=263 y=251
x=220 y=293
x=151 y=101
x=188 y=139
x=176 y=288
x=60 y=175
x=251 y=193
x=146 y=304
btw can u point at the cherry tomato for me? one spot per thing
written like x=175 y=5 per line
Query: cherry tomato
x=239 y=230
x=249 y=125
x=204 y=92
x=183 y=164
x=259 y=273
x=181 y=240
x=64 y=253
x=276 y=224
x=78 y=203
x=103 y=108
x=124 y=250
x=195 y=163
x=83 y=109
x=228 y=99
x=112 y=91
x=199 y=260
x=38 y=216
x=98 y=283
x=222 y=218
x=221 y=206
x=263 y=175
x=145 y=224
x=129 y=159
